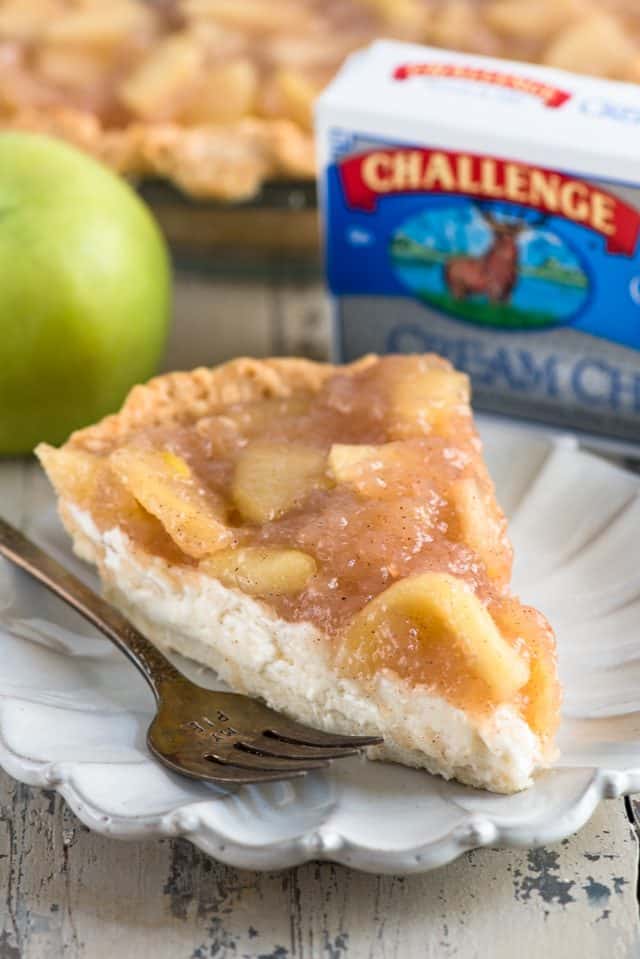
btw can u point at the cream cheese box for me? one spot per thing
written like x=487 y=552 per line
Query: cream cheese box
x=488 y=211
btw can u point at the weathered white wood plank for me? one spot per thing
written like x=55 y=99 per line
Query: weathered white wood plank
x=302 y=325
x=219 y=321
x=66 y=891
x=222 y=319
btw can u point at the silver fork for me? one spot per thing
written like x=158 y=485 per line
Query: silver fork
x=219 y=737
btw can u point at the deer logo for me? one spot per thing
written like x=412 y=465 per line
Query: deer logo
x=495 y=272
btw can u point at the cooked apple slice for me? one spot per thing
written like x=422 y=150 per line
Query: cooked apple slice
x=272 y=478
x=261 y=570
x=157 y=88
x=75 y=470
x=481 y=531
x=383 y=471
x=296 y=93
x=344 y=460
x=98 y=30
x=89 y=482
x=253 y=16
x=423 y=403
x=442 y=608
x=227 y=93
x=228 y=431
x=374 y=472
x=252 y=419
x=541 y=695
x=164 y=485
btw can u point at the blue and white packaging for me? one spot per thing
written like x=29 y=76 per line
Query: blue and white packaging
x=488 y=211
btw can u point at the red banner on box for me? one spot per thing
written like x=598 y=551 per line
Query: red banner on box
x=551 y=96
x=367 y=177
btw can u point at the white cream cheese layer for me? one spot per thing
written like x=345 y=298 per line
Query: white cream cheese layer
x=287 y=665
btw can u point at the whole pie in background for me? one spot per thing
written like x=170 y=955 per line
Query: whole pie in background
x=216 y=95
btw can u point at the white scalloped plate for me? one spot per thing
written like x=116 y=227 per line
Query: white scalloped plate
x=73 y=713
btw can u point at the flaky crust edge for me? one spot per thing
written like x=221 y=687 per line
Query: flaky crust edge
x=185 y=397
x=222 y=161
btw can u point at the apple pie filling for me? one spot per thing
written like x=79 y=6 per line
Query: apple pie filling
x=358 y=502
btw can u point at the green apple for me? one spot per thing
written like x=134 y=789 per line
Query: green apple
x=84 y=291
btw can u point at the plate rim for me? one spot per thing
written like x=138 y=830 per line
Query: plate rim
x=195 y=819
x=192 y=822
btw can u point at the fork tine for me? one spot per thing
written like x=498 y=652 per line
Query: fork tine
x=292 y=732
x=270 y=746
x=250 y=760
x=224 y=773
x=209 y=770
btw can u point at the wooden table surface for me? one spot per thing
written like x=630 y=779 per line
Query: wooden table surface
x=67 y=892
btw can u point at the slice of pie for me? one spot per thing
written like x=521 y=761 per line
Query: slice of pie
x=326 y=538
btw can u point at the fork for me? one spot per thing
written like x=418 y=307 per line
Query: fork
x=219 y=737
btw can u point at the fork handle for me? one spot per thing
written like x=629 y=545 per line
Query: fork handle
x=154 y=666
